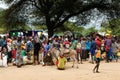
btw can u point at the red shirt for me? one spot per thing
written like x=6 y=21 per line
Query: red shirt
x=98 y=42
x=14 y=53
x=67 y=44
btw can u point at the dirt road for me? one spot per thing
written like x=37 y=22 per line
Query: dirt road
x=108 y=71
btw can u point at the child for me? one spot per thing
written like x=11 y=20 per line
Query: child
x=3 y=60
x=24 y=55
x=23 y=52
x=14 y=50
x=61 y=62
x=98 y=56
x=19 y=58
x=78 y=50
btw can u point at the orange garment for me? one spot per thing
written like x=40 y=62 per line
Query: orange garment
x=98 y=53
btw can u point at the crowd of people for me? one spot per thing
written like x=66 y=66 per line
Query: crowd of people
x=32 y=49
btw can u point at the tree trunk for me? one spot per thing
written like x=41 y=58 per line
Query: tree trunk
x=50 y=32
x=50 y=26
x=50 y=29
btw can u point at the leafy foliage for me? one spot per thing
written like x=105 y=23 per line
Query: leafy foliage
x=113 y=25
x=56 y=12
x=88 y=31
x=2 y=22
x=72 y=27
x=4 y=28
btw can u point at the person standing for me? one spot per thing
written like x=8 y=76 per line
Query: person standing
x=83 y=47
x=98 y=56
x=66 y=43
x=29 y=48
x=1 y=41
x=79 y=51
x=92 y=49
x=37 y=46
x=4 y=57
x=56 y=42
x=88 y=44
x=9 y=48
x=73 y=43
x=114 y=50
x=108 y=44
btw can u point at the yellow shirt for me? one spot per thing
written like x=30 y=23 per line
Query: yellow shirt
x=78 y=46
x=98 y=53
x=61 y=62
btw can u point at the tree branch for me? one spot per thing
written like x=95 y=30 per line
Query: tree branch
x=83 y=9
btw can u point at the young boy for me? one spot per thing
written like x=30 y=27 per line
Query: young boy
x=98 y=56
x=61 y=62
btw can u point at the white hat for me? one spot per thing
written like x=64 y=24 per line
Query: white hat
x=66 y=39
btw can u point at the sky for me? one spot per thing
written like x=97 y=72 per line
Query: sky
x=96 y=22
x=3 y=5
x=96 y=19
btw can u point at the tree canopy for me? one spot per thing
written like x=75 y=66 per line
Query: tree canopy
x=112 y=25
x=54 y=13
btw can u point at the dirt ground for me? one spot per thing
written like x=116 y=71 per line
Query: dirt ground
x=108 y=71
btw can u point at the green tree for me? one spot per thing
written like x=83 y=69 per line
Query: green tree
x=56 y=12
x=88 y=31
x=113 y=25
